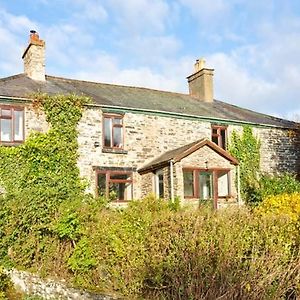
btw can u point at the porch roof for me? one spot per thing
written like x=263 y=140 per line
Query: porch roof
x=178 y=154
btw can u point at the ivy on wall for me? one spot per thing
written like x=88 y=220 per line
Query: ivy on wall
x=246 y=148
x=40 y=174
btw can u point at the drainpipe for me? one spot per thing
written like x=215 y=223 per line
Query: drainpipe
x=238 y=185
x=172 y=180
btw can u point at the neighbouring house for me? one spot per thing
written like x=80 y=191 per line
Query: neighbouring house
x=135 y=141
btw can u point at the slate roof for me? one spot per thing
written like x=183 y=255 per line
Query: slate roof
x=137 y=98
x=178 y=154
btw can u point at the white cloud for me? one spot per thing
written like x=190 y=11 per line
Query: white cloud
x=12 y=30
x=90 y=10
x=207 y=9
x=141 y=15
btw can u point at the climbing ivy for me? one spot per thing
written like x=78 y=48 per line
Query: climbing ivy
x=246 y=148
x=40 y=174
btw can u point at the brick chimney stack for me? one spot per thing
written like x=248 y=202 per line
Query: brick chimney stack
x=201 y=82
x=34 y=57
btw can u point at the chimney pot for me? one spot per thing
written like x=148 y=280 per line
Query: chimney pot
x=34 y=57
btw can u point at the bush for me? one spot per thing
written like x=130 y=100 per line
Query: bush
x=284 y=204
x=152 y=251
x=272 y=185
x=5 y=284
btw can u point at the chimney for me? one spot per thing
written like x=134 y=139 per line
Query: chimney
x=201 y=82
x=34 y=57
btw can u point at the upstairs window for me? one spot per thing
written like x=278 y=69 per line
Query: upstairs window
x=11 y=124
x=113 y=131
x=218 y=135
x=115 y=185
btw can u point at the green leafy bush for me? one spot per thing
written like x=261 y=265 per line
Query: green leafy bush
x=38 y=176
x=246 y=148
x=5 y=284
x=256 y=186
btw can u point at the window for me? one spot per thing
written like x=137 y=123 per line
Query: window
x=218 y=135
x=115 y=185
x=113 y=131
x=159 y=184
x=205 y=185
x=223 y=184
x=11 y=124
x=200 y=183
x=188 y=181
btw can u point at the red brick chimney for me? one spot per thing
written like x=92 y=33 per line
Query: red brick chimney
x=34 y=57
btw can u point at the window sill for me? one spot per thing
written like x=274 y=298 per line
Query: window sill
x=114 y=150
x=11 y=144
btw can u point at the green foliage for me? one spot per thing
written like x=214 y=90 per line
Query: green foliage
x=38 y=176
x=246 y=148
x=68 y=226
x=271 y=185
x=5 y=284
x=82 y=259
x=255 y=186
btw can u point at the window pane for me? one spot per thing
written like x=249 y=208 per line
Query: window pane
x=120 y=191
x=161 y=185
x=214 y=131
x=6 y=135
x=101 y=184
x=117 y=121
x=215 y=139
x=205 y=185
x=223 y=138
x=120 y=176
x=118 y=137
x=223 y=184
x=5 y=112
x=107 y=132
x=18 y=125
x=188 y=181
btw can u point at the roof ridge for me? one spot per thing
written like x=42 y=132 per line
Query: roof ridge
x=116 y=85
x=13 y=77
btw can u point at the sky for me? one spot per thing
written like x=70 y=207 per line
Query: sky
x=254 y=46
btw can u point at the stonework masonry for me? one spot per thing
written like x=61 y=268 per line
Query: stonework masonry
x=49 y=288
x=148 y=136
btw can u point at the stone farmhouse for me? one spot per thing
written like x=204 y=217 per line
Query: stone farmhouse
x=134 y=141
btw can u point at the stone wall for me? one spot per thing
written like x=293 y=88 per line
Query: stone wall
x=31 y=284
x=145 y=138
x=148 y=136
x=280 y=148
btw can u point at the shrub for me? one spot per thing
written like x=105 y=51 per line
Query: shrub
x=284 y=204
x=246 y=148
x=5 y=284
x=272 y=185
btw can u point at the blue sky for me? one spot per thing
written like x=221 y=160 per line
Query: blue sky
x=254 y=46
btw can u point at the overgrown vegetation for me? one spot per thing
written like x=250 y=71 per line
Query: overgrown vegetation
x=255 y=185
x=153 y=249
x=38 y=176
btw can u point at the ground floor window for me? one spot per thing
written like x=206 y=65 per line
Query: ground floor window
x=114 y=185
x=159 y=184
x=206 y=184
